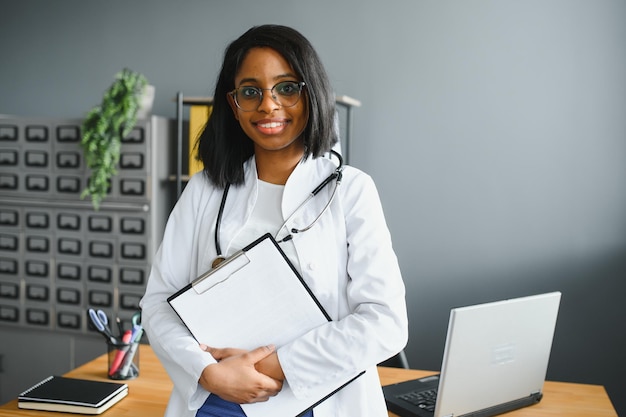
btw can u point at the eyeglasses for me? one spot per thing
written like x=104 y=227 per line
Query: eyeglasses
x=285 y=94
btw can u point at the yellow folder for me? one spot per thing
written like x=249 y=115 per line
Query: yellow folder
x=198 y=116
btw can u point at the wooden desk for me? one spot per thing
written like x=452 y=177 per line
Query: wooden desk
x=559 y=398
x=148 y=394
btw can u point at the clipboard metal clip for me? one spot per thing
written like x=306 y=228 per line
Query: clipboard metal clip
x=220 y=273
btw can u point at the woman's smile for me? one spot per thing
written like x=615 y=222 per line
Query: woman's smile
x=271 y=126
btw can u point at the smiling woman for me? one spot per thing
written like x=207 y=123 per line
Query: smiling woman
x=264 y=149
x=275 y=121
x=294 y=60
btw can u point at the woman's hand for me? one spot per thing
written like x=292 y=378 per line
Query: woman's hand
x=235 y=377
x=269 y=365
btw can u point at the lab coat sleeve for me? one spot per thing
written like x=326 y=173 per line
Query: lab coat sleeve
x=372 y=324
x=173 y=265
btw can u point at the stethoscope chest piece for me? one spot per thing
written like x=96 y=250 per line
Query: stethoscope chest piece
x=217 y=261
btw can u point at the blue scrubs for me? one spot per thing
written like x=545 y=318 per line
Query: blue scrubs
x=214 y=406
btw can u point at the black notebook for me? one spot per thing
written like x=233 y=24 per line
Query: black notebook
x=72 y=395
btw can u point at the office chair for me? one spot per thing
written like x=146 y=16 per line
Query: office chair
x=397 y=361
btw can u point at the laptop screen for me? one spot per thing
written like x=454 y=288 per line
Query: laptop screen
x=495 y=359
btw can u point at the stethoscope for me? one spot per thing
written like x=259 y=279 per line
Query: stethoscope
x=336 y=175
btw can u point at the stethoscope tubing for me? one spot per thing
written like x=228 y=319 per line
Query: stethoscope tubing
x=336 y=175
x=313 y=194
x=218 y=222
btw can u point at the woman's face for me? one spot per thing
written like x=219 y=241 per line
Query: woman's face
x=270 y=126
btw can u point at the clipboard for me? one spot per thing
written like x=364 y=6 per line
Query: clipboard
x=255 y=298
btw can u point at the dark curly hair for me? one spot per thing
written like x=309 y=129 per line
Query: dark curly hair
x=223 y=147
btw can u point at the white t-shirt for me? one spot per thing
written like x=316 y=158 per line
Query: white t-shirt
x=266 y=218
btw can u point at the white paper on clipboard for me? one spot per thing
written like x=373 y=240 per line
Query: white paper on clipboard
x=255 y=298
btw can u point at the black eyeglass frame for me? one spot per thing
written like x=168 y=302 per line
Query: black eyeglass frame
x=300 y=85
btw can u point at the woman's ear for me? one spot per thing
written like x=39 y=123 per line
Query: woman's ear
x=233 y=106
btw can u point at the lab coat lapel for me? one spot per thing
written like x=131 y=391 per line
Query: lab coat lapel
x=239 y=205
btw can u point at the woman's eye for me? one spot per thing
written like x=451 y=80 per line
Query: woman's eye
x=287 y=88
x=249 y=92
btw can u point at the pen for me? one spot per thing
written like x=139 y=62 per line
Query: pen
x=119 y=355
x=120 y=328
x=130 y=355
x=137 y=332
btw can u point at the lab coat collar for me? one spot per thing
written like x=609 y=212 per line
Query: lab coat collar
x=241 y=199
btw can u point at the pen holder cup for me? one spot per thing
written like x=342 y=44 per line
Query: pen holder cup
x=123 y=360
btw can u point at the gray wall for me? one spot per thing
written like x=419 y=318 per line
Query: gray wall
x=495 y=130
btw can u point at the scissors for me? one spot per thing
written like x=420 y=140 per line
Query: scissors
x=101 y=322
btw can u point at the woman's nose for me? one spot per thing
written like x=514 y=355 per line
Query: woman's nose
x=268 y=102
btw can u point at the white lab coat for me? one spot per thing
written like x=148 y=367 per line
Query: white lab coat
x=346 y=258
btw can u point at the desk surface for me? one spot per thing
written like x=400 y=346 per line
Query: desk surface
x=559 y=398
x=149 y=393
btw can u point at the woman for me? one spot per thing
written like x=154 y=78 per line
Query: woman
x=264 y=151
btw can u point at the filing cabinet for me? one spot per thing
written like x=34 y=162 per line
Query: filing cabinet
x=58 y=256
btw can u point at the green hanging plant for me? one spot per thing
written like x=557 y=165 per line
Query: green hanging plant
x=104 y=128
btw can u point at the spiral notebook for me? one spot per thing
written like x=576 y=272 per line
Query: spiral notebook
x=72 y=395
x=256 y=298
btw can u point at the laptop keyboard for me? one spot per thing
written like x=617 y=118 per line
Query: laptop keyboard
x=422 y=399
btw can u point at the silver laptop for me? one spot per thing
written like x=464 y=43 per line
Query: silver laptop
x=495 y=360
